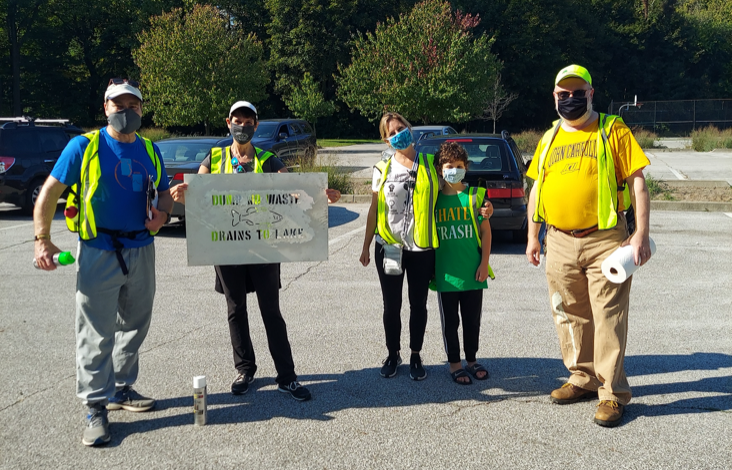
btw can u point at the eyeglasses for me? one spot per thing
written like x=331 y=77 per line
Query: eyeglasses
x=120 y=81
x=563 y=95
x=238 y=167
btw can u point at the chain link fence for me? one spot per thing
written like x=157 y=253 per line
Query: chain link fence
x=675 y=117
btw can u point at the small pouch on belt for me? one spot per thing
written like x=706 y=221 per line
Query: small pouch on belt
x=392 y=259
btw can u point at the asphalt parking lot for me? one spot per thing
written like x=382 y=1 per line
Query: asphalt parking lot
x=679 y=363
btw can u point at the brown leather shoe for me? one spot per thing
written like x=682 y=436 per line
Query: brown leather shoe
x=609 y=413
x=569 y=393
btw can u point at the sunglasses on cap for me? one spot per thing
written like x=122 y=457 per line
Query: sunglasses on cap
x=563 y=95
x=121 y=81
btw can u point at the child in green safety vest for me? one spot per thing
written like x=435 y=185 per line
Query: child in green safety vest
x=461 y=265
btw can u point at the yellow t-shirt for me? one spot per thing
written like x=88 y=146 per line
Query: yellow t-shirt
x=569 y=192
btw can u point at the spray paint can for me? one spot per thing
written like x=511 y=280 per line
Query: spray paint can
x=64 y=258
x=200 y=396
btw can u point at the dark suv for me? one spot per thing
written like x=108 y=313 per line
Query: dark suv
x=286 y=138
x=497 y=165
x=28 y=151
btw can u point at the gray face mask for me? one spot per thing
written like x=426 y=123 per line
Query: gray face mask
x=126 y=121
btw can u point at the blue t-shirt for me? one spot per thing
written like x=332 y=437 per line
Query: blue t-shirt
x=120 y=200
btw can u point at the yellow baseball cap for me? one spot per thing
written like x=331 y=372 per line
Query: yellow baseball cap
x=573 y=71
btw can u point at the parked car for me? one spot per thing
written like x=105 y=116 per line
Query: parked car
x=183 y=155
x=286 y=138
x=420 y=132
x=497 y=165
x=29 y=149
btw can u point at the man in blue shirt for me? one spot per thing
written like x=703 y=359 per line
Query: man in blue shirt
x=115 y=169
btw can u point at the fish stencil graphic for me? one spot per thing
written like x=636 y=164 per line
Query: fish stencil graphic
x=255 y=216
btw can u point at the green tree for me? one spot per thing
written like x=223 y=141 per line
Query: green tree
x=306 y=101
x=427 y=65
x=194 y=65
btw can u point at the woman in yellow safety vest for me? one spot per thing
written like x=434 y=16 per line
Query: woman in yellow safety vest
x=401 y=217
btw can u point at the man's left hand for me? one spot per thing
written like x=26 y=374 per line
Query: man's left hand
x=487 y=210
x=158 y=220
x=641 y=248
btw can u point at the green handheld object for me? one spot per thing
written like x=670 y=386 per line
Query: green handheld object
x=64 y=258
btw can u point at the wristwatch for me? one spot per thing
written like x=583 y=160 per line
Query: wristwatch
x=42 y=236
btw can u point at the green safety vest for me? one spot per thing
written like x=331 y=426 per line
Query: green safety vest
x=424 y=200
x=607 y=183
x=227 y=167
x=81 y=194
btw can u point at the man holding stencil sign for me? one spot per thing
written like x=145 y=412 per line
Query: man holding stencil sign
x=581 y=167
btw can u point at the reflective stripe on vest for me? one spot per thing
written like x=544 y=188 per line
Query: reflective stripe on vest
x=476 y=196
x=80 y=197
x=607 y=183
x=424 y=200
x=216 y=161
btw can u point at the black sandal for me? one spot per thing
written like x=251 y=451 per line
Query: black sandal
x=459 y=374
x=475 y=368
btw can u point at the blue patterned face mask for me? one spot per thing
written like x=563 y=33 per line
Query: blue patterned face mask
x=401 y=140
x=453 y=175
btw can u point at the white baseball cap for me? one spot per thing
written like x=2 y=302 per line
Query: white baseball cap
x=242 y=104
x=114 y=90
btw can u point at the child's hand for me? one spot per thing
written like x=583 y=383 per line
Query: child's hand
x=482 y=273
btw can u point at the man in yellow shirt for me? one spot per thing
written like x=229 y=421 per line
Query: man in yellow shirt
x=581 y=167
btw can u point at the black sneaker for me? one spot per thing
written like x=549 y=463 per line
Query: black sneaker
x=96 y=432
x=416 y=371
x=297 y=391
x=389 y=369
x=240 y=385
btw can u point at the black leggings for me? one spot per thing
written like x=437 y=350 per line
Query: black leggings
x=266 y=280
x=471 y=307
x=420 y=268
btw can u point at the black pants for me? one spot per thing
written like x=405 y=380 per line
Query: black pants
x=471 y=307
x=419 y=267
x=266 y=278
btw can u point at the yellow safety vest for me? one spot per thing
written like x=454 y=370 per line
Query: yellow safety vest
x=424 y=200
x=607 y=183
x=227 y=167
x=81 y=194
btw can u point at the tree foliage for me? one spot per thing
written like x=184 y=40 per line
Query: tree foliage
x=194 y=65
x=500 y=100
x=426 y=65
x=306 y=101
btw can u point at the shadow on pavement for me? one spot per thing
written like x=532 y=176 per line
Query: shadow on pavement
x=338 y=215
x=509 y=378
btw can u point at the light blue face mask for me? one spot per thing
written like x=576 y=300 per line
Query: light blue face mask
x=453 y=175
x=401 y=140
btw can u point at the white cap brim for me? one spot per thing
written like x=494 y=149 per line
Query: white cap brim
x=242 y=104
x=123 y=89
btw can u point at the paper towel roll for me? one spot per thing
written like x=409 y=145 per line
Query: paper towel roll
x=619 y=266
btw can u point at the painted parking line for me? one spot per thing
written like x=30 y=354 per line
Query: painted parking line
x=346 y=235
x=728 y=214
x=678 y=174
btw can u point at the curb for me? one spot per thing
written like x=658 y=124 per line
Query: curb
x=355 y=198
x=692 y=206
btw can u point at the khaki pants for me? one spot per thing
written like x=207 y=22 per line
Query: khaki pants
x=590 y=312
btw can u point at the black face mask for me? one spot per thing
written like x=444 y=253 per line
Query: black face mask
x=572 y=108
x=242 y=134
x=126 y=121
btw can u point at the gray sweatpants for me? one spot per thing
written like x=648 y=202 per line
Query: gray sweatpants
x=113 y=313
